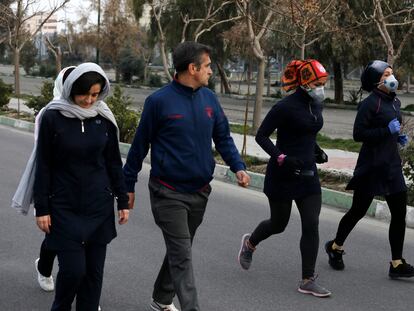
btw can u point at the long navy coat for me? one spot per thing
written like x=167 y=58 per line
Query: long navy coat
x=297 y=119
x=378 y=170
x=78 y=174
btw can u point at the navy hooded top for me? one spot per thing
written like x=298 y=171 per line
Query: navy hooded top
x=379 y=169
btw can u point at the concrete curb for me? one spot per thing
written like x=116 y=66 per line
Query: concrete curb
x=337 y=199
x=16 y=123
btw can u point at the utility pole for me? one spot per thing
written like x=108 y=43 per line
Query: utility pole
x=99 y=30
x=41 y=39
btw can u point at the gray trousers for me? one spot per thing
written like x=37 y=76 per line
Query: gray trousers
x=178 y=215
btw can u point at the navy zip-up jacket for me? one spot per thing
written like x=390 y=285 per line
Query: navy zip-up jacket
x=179 y=124
x=78 y=175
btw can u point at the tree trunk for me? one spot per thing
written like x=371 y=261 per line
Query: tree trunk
x=164 y=60
x=408 y=82
x=257 y=114
x=117 y=75
x=390 y=56
x=268 y=77
x=224 y=80
x=17 y=77
x=338 y=81
x=246 y=113
x=145 y=72
x=58 y=61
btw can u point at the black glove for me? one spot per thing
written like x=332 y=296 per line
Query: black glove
x=320 y=155
x=292 y=163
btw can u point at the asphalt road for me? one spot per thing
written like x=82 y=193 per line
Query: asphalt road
x=134 y=257
x=338 y=122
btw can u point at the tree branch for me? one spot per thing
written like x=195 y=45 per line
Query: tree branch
x=404 y=41
x=216 y=24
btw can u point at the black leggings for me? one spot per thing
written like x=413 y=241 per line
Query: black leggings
x=46 y=259
x=309 y=209
x=397 y=203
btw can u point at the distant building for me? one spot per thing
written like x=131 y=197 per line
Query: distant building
x=49 y=27
x=145 y=19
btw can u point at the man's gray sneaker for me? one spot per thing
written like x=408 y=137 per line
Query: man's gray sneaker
x=156 y=306
x=245 y=252
x=311 y=287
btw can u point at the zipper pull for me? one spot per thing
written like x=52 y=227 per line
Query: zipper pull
x=83 y=128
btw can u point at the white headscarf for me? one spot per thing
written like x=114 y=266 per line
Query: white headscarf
x=57 y=93
x=57 y=90
x=23 y=196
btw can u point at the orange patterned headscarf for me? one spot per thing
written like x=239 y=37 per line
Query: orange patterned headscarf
x=302 y=72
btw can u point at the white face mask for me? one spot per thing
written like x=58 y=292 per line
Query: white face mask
x=317 y=94
x=391 y=83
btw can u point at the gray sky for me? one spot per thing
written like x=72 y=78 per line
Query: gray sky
x=72 y=13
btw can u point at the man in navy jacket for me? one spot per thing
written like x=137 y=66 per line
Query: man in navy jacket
x=179 y=122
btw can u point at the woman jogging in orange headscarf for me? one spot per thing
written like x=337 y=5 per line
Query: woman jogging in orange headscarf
x=291 y=172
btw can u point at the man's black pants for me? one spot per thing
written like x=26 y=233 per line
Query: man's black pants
x=178 y=215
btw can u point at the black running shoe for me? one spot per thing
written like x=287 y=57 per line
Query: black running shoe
x=335 y=256
x=403 y=270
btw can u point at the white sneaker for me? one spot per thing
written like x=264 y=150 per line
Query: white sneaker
x=156 y=306
x=99 y=308
x=45 y=283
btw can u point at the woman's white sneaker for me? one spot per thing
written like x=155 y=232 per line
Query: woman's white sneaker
x=45 y=283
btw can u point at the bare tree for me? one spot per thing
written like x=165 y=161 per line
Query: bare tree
x=145 y=49
x=204 y=17
x=387 y=18
x=57 y=52
x=119 y=31
x=211 y=19
x=5 y=19
x=256 y=32
x=302 y=21
x=21 y=12
x=157 y=9
x=305 y=15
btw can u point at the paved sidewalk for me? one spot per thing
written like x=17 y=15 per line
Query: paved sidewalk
x=340 y=161
x=13 y=104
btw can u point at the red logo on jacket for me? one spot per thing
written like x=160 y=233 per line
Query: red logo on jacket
x=209 y=111
x=175 y=116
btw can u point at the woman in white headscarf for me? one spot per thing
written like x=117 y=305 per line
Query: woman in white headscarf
x=78 y=174
x=44 y=264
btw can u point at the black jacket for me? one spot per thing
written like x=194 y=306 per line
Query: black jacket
x=378 y=170
x=297 y=119
x=78 y=174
